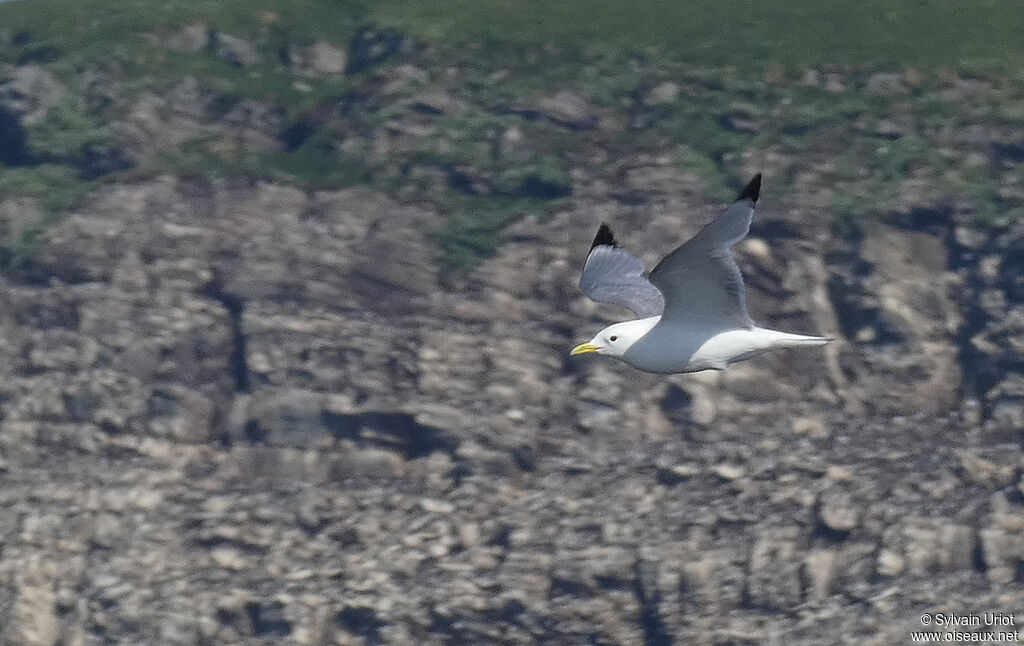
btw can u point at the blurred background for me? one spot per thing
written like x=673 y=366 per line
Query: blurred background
x=288 y=290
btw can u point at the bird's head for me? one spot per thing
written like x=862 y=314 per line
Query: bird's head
x=614 y=340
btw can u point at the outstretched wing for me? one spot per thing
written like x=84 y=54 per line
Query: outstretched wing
x=700 y=281
x=613 y=275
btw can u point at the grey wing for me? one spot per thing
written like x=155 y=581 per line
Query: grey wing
x=702 y=285
x=613 y=275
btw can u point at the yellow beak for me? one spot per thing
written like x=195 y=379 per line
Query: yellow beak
x=584 y=348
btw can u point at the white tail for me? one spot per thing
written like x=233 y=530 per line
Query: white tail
x=787 y=340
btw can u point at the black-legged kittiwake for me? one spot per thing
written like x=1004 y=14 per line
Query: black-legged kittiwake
x=692 y=306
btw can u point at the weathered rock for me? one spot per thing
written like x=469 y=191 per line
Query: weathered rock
x=17 y=217
x=715 y=580
x=906 y=303
x=192 y=38
x=822 y=572
x=837 y=512
x=933 y=546
x=235 y=50
x=34 y=615
x=662 y=93
x=371 y=46
x=569 y=109
x=438 y=103
x=885 y=83
x=993 y=469
x=774 y=577
x=834 y=82
x=181 y=414
x=320 y=58
x=29 y=93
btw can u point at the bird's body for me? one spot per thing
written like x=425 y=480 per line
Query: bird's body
x=670 y=349
x=692 y=305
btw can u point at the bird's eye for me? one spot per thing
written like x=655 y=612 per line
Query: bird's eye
x=613 y=338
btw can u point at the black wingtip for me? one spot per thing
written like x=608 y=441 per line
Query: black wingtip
x=752 y=190
x=604 y=237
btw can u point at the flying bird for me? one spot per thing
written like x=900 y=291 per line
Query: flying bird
x=692 y=306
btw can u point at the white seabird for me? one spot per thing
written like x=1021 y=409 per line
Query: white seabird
x=692 y=306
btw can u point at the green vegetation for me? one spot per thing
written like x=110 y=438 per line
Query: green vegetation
x=314 y=165
x=52 y=185
x=928 y=34
x=738 y=67
x=68 y=133
x=54 y=188
x=474 y=226
x=83 y=29
x=718 y=188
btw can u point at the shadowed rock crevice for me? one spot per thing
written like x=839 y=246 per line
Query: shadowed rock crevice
x=14 y=149
x=981 y=368
x=677 y=405
x=858 y=310
x=268 y=619
x=979 y=373
x=646 y=590
x=540 y=188
x=371 y=46
x=361 y=621
x=298 y=133
x=234 y=306
x=396 y=431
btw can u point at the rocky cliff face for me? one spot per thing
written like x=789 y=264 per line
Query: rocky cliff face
x=240 y=411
